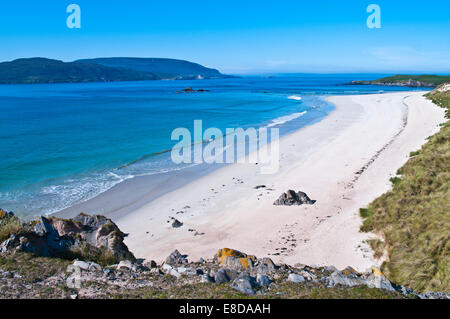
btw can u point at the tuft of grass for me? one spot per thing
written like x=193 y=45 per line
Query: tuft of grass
x=364 y=212
x=395 y=181
x=414 y=217
x=412 y=154
x=9 y=226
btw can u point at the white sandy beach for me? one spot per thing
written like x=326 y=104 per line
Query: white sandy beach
x=343 y=162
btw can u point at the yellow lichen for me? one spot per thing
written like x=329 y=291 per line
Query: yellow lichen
x=224 y=253
x=244 y=263
x=377 y=272
x=244 y=259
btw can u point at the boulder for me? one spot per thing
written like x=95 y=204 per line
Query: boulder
x=235 y=259
x=378 y=280
x=206 y=279
x=43 y=240
x=308 y=275
x=53 y=237
x=296 y=278
x=292 y=198
x=265 y=266
x=225 y=275
x=221 y=276
x=81 y=264
x=98 y=231
x=176 y=223
x=168 y=269
x=175 y=258
x=127 y=265
x=244 y=283
x=262 y=280
x=7 y=244
x=150 y=264
x=188 y=271
x=348 y=277
x=5 y=215
x=87 y=265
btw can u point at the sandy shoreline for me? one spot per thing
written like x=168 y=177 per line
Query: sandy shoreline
x=343 y=162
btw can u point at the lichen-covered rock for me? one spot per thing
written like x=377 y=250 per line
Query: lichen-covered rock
x=293 y=198
x=235 y=259
x=378 y=280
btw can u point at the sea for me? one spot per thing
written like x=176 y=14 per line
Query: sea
x=63 y=144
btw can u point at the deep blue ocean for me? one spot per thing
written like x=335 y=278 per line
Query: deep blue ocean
x=62 y=144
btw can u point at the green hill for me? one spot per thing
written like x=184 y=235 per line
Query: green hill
x=169 y=68
x=408 y=80
x=42 y=70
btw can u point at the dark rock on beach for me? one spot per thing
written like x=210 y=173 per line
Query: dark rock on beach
x=176 y=223
x=175 y=258
x=291 y=198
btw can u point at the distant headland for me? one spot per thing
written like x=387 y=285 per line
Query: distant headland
x=408 y=80
x=43 y=70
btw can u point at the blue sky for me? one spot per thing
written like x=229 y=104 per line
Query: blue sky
x=241 y=37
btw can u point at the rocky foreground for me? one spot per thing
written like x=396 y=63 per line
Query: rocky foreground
x=35 y=263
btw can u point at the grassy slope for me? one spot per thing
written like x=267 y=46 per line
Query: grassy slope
x=432 y=79
x=414 y=218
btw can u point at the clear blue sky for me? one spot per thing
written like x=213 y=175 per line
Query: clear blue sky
x=244 y=36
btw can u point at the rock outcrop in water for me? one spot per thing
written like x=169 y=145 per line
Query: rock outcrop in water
x=291 y=198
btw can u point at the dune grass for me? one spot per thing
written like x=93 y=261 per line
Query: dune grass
x=414 y=217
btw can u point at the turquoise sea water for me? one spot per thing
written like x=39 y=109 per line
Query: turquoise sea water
x=62 y=144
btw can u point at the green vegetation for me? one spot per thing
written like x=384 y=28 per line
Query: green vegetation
x=414 y=217
x=285 y=290
x=430 y=79
x=9 y=226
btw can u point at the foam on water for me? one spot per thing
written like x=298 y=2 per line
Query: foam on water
x=295 y=97
x=284 y=119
